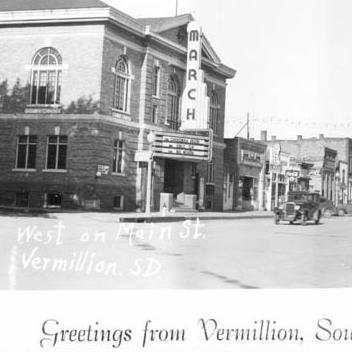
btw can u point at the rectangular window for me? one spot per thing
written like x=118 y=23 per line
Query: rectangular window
x=118 y=163
x=26 y=152
x=46 y=87
x=156 y=79
x=118 y=202
x=57 y=152
x=34 y=87
x=22 y=199
x=155 y=114
x=53 y=200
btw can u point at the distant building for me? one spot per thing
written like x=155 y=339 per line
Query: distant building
x=330 y=171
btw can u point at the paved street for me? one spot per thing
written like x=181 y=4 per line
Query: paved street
x=93 y=251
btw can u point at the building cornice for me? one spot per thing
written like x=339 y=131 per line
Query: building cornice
x=107 y=15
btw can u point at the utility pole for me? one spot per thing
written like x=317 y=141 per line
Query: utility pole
x=247 y=125
x=176 y=10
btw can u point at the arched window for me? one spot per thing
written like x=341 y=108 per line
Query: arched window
x=122 y=85
x=173 y=102
x=46 y=77
x=214 y=112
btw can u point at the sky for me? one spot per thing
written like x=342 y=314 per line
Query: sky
x=292 y=57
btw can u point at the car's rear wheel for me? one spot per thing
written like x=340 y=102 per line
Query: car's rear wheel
x=341 y=212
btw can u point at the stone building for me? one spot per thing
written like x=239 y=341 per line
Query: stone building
x=82 y=86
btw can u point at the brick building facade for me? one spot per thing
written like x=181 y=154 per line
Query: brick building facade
x=245 y=162
x=82 y=85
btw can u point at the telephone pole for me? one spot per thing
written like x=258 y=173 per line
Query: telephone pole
x=247 y=125
x=176 y=10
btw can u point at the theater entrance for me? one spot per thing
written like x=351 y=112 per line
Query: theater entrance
x=173 y=177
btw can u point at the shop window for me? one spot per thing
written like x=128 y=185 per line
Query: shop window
x=22 y=199
x=46 y=77
x=53 y=200
x=209 y=196
x=56 y=152
x=118 y=202
x=210 y=172
x=122 y=85
x=26 y=152
x=214 y=112
x=173 y=102
x=156 y=80
x=248 y=189
x=118 y=161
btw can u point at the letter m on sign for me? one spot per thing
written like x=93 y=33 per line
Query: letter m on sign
x=194 y=36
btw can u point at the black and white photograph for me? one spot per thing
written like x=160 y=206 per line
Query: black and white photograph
x=175 y=144
x=189 y=159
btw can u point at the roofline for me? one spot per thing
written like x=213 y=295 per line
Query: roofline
x=101 y=14
x=93 y=14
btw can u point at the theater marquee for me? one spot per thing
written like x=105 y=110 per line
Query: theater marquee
x=183 y=146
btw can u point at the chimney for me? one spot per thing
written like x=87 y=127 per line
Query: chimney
x=321 y=136
x=264 y=135
x=299 y=137
x=273 y=138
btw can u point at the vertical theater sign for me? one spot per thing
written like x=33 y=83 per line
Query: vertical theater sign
x=195 y=102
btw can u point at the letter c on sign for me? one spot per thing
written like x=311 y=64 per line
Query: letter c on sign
x=191 y=94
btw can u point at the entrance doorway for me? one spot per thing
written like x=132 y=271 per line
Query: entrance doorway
x=173 y=176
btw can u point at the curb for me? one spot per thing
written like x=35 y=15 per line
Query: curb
x=161 y=219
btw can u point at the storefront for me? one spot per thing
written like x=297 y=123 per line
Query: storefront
x=245 y=161
x=277 y=181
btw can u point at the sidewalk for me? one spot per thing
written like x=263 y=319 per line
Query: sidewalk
x=134 y=216
x=182 y=216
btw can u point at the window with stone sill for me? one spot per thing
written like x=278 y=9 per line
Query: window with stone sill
x=214 y=112
x=156 y=81
x=46 y=77
x=118 y=158
x=173 y=103
x=56 y=153
x=26 y=152
x=122 y=85
x=118 y=202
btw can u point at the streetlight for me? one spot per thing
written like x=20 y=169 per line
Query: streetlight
x=150 y=139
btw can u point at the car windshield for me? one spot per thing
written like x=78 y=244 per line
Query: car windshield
x=294 y=197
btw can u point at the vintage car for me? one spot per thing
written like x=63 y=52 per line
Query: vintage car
x=300 y=206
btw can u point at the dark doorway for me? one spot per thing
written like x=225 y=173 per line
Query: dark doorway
x=173 y=177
